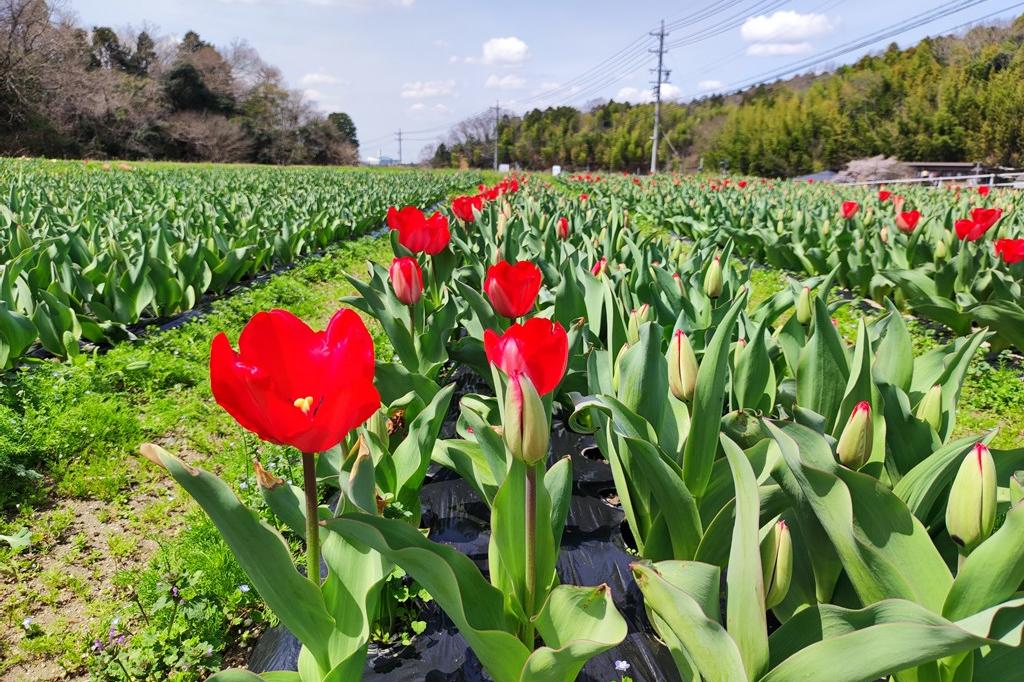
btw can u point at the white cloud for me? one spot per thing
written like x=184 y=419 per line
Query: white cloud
x=424 y=89
x=312 y=94
x=430 y=111
x=508 y=82
x=786 y=26
x=310 y=79
x=510 y=50
x=638 y=95
x=710 y=85
x=779 y=49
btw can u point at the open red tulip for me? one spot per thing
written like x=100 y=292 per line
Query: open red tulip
x=907 y=220
x=512 y=288
x=539 y=348
x=850 y=209
x=417 y=232
x=463 y=207
x=884 y=195
x=294 y=386
x=1011 y=250
x=981 y=220
x=406 y=279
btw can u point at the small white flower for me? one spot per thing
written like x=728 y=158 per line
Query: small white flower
x=243 y=588
x=621 y=666
x=27 y=623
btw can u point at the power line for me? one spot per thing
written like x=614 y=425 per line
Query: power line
x=886 y=33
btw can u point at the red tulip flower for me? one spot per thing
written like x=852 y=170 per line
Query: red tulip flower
x=539 y=349
x=406 y=280
x=563 y=228
x=907 y=221
x=464 y=206
x=981 y=220
x=599 y=267
x=1011 y=250
x=884 y=195
x=742 y=184
x=584 y=197
x=984 y=190
x=850 y=209
x=419 y=233
x=294 y=386
x=512 y=288
x=986 y=217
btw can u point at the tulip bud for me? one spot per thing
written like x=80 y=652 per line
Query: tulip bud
x=406 y=279
x=1016 y=487
x=776 y=564
x=804 y=306
x=854 y=446
x=502 y=224
x=618 y=364
x=682 y=367
x=737 y=351
x=599 y=267
x=971 y=509
x=526 y=423
x=941 y=251
x=563 y=228
x=929 y=410
x=637 y=318
x=883 y=234
x=713 y=279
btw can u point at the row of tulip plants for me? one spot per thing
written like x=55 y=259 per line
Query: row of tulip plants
x=798 y=504
x=88 y=255
x=952 y=255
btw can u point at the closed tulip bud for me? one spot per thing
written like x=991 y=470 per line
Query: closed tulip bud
x=883 y=234
x=971 y=509
x=599 y=267
x=929 y=410
x=804 y=306
x=616 y=368
x=502 y=224
x=737 y=351
x=563 y=228
x=713 y=279
x=941 y=251
x=526 y=423
x=1016 y=487
x=825 y=230
x=855 y=442
x=637 y=318
x=682 y=367
x=406 y=279
x=776 y=564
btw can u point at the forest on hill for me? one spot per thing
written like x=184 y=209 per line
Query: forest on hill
x=949 y=98
x=68 y=91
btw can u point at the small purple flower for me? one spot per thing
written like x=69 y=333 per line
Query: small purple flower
x=97 y=645
x=243 y=588
x=174 y=591
x=621 y=666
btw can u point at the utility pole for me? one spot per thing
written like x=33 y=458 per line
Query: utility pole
x=497 y=114
x=661 y=76
x=398 y=136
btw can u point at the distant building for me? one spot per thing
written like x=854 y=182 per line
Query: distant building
x=387 y=161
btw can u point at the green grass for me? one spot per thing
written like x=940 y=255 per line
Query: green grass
x=79 y=425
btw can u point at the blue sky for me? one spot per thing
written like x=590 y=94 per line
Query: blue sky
x=421 y=65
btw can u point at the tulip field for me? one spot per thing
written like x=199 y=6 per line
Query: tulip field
x=602 y=428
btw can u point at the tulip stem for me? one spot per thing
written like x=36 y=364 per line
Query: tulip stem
x=531 y=552
x=312 y=517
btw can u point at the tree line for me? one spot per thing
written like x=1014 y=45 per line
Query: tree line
x=949 y=98
x=66 y=91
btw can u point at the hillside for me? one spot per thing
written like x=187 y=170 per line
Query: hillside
x=950 y=98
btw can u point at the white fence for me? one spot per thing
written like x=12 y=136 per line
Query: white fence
x=1015 y=179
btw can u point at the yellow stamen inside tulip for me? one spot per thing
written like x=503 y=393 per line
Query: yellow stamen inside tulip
x=304 y=403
